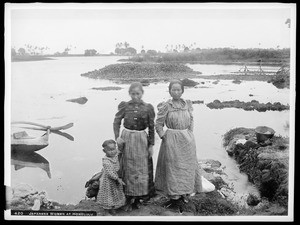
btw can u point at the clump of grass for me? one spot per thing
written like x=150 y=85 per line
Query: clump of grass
x=266 y=166
x=213 y=204
x=248 y=106
x=281 y=79
x=141 y=71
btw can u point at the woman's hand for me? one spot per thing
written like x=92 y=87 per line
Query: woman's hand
x=150 y=150
x=163 y=136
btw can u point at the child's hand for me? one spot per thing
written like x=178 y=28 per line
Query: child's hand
x=121 y=182
x=120 y=144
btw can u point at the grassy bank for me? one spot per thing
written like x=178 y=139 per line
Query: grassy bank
x=219 y=56
x=152 y=72
x=266 y=164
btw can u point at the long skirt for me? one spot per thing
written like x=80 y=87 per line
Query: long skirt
x=136 y=167
x=177 y=170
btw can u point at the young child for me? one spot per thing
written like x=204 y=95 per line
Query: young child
x=110 y=195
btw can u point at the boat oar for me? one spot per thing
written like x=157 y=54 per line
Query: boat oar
x=67 y=126
x=68 y=136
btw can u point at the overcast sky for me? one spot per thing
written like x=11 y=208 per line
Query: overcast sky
x=101 y=28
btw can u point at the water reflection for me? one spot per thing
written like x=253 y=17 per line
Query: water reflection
x=21 y=160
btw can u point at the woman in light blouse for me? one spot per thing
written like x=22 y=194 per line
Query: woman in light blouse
x=177 y=167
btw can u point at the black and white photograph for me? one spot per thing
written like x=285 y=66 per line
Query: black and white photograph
x=150 y=111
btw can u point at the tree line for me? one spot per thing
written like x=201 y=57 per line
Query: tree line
x=178 y=52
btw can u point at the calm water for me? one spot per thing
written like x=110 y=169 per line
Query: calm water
x=39 y=93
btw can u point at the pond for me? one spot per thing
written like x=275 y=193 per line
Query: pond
x=39 y=90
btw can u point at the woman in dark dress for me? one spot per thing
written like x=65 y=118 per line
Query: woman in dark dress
x=136 y=158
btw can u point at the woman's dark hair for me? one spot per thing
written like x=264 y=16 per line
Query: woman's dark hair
x=176 y=82
x=136 y=84
x=107 y=142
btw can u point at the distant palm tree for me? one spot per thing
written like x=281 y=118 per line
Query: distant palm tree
x=126 y=44
x=288 y=22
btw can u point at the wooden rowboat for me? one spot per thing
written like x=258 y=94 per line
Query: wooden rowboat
x=21 y=141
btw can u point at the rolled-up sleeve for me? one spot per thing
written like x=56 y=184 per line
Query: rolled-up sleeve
x=151 y=116
x=161 y=117
x=118 y=119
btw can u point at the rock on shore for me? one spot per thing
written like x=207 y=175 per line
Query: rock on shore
x=189 y=83
x=25 y=197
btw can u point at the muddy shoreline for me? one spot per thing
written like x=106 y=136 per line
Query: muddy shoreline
x=220 y=202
